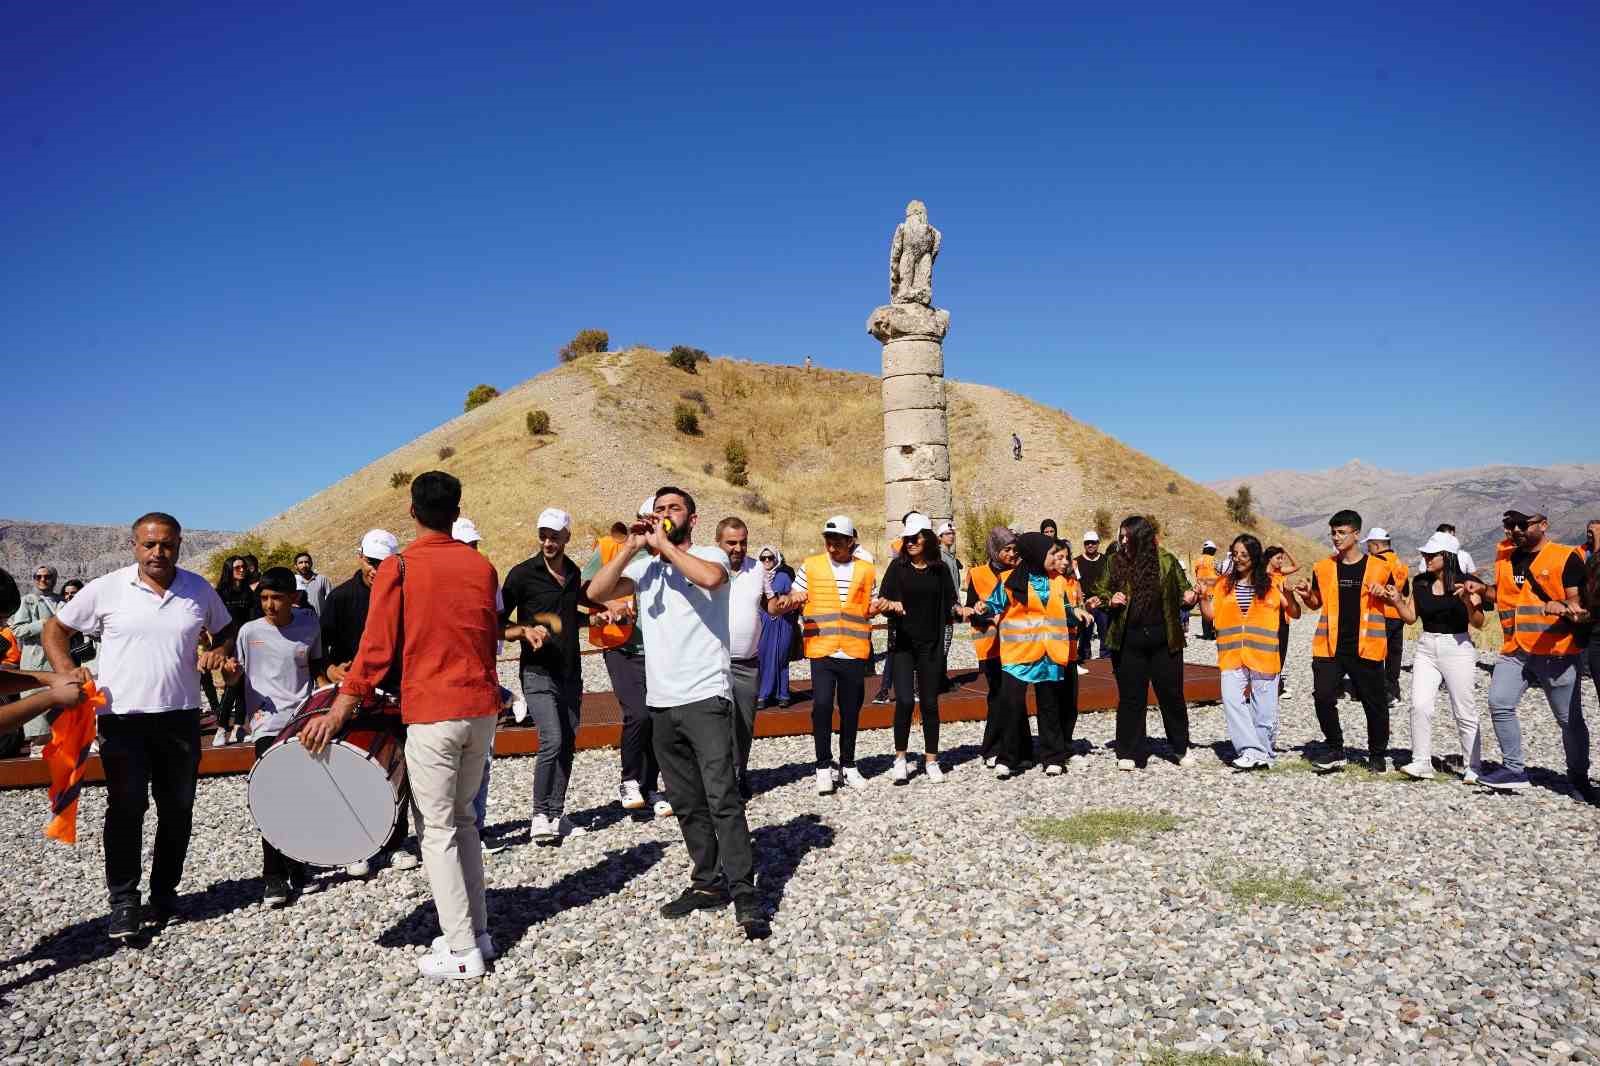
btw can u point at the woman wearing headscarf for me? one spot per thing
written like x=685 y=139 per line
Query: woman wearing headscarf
x=919 y=594
x=1038 y=610
x=1001 y=548
x=1146 y=591
x=775 y=648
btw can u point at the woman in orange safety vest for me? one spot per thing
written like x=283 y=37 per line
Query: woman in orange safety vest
x=1245 y=607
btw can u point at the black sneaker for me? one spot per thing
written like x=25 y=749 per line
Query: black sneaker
x=161 y=913
x=1378 y=765
x=746 y=793
x=276 y=894
x=752 y=918
x=125 y=922
x=694 y=899
x=1328 y=760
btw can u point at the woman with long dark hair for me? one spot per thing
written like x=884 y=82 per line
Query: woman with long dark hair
x=919 y=595
x=233 y=586
x=1245 y=608
x=1448 y=607
x=1146 y=591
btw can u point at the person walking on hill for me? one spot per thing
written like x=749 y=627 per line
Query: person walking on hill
x=1378 y=543
x=1245 y=608
x=1448 y=607
x=683 y=598
x=1537 y=592
x=1016 y=447
x=1145 y=590
x=1001 y=550
x=1351 y=641
x=837 y=593
x=1091 y=565
x=1205 y=576
x=919 y=595
x=314 y=588
x=778 y=634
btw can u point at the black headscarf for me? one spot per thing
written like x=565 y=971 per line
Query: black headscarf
x=1032 y=547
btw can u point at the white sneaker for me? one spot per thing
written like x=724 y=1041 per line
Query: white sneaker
x=1286 y=693
x=1125 y=764
x=1083 y=670
x=452 y=967
x=1001 y=771
x=566 y=827
x=541 y=829
x=1189 y=759
x=358 y=869
x=934 y=771
x=662 y=808
x=989 y=761
x=401 y=859
x=824 y=782
x=630 y=796
x=899 y=775
x=219 y=738
x=485 y=946
x=519 y=710
x=1078 y=761
x=1469 y=776
x=1417 y=770
x=1053 y=770
x=853 y=778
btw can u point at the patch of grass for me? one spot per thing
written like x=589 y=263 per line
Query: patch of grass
x=901 y=858
x=1168 y=1056
x=1092 y=828
x=1263 y=887
x=1292 y=766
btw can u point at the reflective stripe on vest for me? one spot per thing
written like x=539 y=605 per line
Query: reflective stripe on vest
x=1032 y=630
x=1524 y=625
x=1372 y=638
x=983 y=579
x=1247 y=640
x=828 y=626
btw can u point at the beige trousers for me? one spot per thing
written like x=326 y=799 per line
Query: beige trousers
x=444 y=761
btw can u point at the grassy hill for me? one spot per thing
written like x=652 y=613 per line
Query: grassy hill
x=815 y=444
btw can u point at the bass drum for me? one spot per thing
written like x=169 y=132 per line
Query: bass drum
x=339 y=807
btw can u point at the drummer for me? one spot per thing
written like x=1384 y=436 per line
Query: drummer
x=277 y=656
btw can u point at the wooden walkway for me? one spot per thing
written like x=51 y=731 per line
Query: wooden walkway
x=602 y=721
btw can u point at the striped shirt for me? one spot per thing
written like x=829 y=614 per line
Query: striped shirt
x=1245 y=594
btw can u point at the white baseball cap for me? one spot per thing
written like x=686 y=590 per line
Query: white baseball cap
x=1440 y=542
x=1209 y=544
x=945 y=527
x=1090 y=536
x=379 y=544
x=465 y=531
x=1377 y=533
x=916 y=522
x=841 y=525
x=648 y=506
x=554 y=518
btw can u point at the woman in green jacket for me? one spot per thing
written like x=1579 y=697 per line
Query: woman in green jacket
x=1146 y=592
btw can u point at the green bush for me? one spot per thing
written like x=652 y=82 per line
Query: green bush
x=399 y=479
x=975 y=526
x=737 y=472
x=1102 y=524
x=686 y=419
x=584 y=342
x=686 y=359
x=446 y=452
x=1241 y=507
x=538 y=423
x=479 y=395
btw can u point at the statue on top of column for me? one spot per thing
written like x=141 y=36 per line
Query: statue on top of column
x=911 y=256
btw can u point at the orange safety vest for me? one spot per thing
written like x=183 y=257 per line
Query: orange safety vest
x=1373 y=639
x=13 y=649
x=982 y=578
x=1030 y=630
x=1247 y=639
x=66 y=756
x=1205 y=569
x=1402 y=574
x=1522 y=618
x=612 y=634
x=828 y=626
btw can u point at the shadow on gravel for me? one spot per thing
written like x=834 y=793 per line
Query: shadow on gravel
x=86 y=942
x=513 y=911
x=778 y=776
x=779 y=850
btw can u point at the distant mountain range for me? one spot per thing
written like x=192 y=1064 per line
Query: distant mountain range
x=87 y=551
x=1410 y=506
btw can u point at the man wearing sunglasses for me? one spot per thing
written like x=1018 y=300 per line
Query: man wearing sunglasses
x=1536 y=590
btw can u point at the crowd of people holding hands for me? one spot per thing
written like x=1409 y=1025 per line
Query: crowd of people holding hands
x=697 y=638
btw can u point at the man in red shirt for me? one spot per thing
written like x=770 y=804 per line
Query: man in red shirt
x=449 y=700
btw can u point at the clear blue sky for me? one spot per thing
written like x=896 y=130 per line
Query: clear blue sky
x=246 y=252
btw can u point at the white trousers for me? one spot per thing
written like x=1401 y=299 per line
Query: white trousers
x=445 y=763
x=1452 y=659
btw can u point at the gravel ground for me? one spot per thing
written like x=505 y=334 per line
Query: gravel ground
x=1425 y=922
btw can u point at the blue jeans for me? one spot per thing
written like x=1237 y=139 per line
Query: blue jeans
x=1558 y=676
x=1250 y=705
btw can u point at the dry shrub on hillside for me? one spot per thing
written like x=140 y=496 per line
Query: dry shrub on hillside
x=281 y=553
x=399 y=479
x=585 y=342
x=696 y=397
x=479 y=395
x=686 y=358
x=446 y=452
x=756 y=503
x=538 y=423
x=686 y=420
x=737 y=471
x=975 y=526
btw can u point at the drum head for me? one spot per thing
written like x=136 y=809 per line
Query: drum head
x=332 y=810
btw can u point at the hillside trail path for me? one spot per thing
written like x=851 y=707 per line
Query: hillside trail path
x=1047 y=483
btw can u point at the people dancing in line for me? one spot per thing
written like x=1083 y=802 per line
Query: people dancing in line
x=1000 y=548
x=1280 y=564
x=1038 y=610
x=1146 y=590
x=1246 y=608
x=918 y=593
x=1378 y=543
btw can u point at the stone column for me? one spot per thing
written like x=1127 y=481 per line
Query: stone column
x=916 y=425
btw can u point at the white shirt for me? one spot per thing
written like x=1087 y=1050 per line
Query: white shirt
x=745 y=589
x=685 y=631
x=149 y=641
x=1464 y=561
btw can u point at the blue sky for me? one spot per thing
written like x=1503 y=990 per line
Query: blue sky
x=1235 y=237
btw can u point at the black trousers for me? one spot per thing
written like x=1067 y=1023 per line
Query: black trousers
x=148 y=756
x=1143 y=662
x=1395 y=631
x=886 y=690
x=1057 y=704
x=276 y=867
x=638 y=753
x=1013 y=740
x=995 y=677
x=1366 y=677
x=694 y=746
x=230 y=706
x=846 y=681
x=917 y=668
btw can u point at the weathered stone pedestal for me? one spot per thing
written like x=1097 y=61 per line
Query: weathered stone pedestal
x=916 y=428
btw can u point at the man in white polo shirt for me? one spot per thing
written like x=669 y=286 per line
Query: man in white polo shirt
x=148 y=619
x=683 y=615
x=746 y=609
